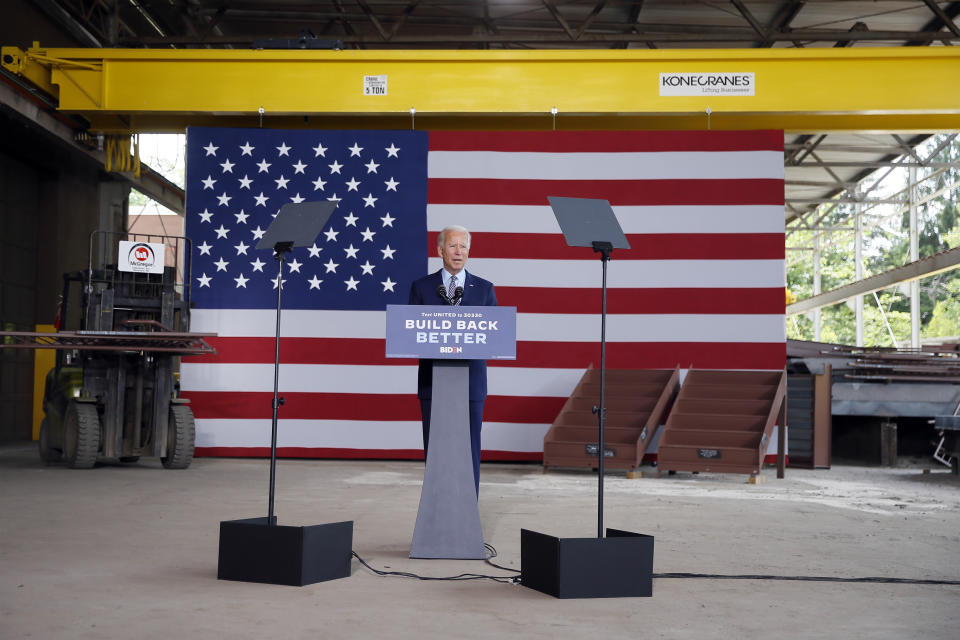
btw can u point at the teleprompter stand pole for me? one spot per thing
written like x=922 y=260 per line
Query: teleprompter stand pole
x=615 y=563
x=604 y=249
x=258 y=549
x=279 y=252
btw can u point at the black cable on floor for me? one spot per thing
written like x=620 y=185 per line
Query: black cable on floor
x=871 y=579
x=462 y=576
x=491 y=550
x=493 y=554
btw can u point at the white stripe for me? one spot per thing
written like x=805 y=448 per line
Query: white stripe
x=557 y=327
x=293 y=323
x=639 y=219
x=667 y=274
x=653 y=328
x=355 y=434
x=656 y=165
x=320 y=378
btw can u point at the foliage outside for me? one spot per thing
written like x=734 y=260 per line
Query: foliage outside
x=886 y=245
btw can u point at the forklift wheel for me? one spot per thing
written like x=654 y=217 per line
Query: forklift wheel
x=47 y=454
x=81 y=435
x=181 y=431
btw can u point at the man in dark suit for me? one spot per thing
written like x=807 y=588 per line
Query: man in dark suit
x=453 y=246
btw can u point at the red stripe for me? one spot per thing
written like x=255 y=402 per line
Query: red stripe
x=768 y=300
x=358 y=406
x=618 y=192
x=355 y=454
x=643 y=246
x=606 y=141
x=573 y=355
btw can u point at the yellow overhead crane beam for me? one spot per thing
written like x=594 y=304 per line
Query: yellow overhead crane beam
x=798 y=90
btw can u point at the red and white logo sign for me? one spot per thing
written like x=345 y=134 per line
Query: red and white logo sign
x=140 y=257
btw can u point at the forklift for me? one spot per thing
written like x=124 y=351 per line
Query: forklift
x=114 y=392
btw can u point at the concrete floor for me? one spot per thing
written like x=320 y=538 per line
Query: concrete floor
x=131 y=552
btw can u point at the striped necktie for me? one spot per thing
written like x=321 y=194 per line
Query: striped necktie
x=452 y=288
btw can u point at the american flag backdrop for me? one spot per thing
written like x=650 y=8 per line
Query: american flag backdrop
x=702 y=285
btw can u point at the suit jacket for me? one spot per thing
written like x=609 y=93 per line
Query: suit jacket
x=477 y=292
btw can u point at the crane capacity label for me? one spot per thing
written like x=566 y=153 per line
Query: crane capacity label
x=375 y=85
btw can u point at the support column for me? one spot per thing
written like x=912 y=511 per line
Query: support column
x=816 y=283
x=858 y=264
x=914 y=256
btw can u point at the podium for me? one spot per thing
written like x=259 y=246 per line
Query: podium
x=448 y=519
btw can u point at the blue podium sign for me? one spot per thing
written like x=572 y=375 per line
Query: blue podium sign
x=449 y=332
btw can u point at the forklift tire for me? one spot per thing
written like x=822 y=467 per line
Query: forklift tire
x=47 y=454
x=181 y=432
x=81 y=435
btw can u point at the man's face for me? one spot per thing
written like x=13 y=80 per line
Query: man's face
x=454 y=251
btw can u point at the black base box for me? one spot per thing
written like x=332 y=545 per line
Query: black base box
x=617 y=566
x=253 y=551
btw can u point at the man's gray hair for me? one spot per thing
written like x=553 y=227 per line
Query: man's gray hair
x=453 y=227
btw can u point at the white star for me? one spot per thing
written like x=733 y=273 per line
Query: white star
x=299 y=167
x=205 y=248
x=388 y=220
x=314 y=251
x=295 y=265
x=246 y=149
x=264 y=165
x=388 y=284
x=320 y=150
x=210 y=149
x=367 y=268
x=352 y=284
x=318 y=184
x=355 y=150
x=222 y=232
x=351 y=220
x=392 y=153
x=334 y=198
x=241 y=248
x=277 y=281
x=368 y=235
x=297 y=198
x=314 y=282
x=371 y=167
x=261 y=200
x=209 y=182
x=351 y=251
x=224 y=199
x=205 y=215
x=245 y=182
x=331 y=235
x=388 y=252
x=281 y=182
x=204 y=280
x=241 y=281
x=283 y=149
x=241 y=217
x=258 y=233
x=221 y=264
x=227 y=166
x=391 y=184
x=369 y=200
x=353 y=184
x=258 y=265
x=331 y=266
x=335 y=167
